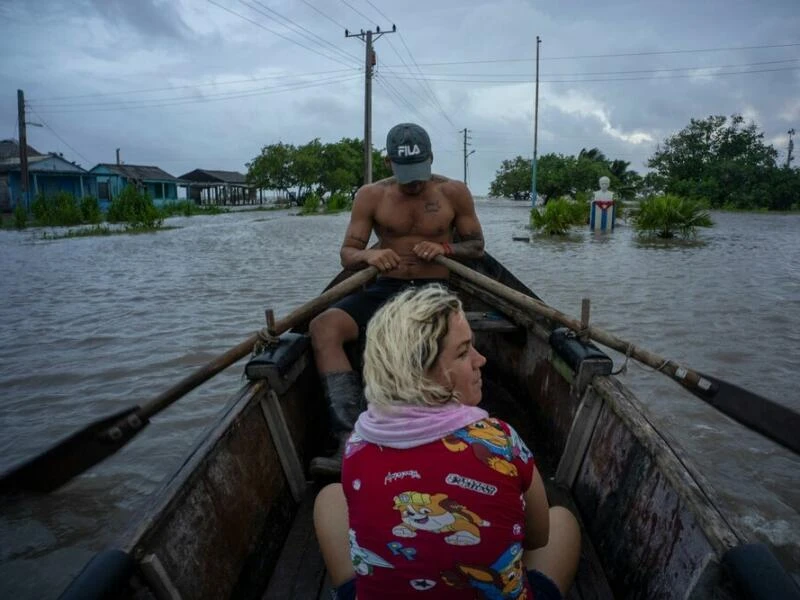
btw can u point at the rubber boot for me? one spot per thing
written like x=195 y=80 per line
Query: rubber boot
x=345 y=398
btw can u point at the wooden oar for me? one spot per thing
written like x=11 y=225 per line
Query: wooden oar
x=769 y=418
x=99 y=440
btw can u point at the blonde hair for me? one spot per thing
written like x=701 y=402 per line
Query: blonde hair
x=404 y=340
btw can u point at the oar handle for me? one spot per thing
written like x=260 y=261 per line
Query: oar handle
x=686 y=377
x=222 y=362
x=775 y=421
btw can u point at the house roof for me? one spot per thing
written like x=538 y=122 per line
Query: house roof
x=138 y=172
x=43 y=163
x=10 y=149
x=206 y=175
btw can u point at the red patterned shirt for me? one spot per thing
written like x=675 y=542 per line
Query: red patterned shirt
x=445 y=519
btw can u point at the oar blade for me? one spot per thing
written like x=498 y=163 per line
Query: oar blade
x=775 y=421
x=74 y=454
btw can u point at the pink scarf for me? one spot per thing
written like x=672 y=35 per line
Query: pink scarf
x=411 y=426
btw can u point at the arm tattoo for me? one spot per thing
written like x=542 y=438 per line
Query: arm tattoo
x=356 y=242
x=469 y=246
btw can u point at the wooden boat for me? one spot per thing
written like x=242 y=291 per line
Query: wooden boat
x=234 y=521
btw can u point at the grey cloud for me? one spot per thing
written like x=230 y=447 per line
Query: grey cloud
x=149 y=18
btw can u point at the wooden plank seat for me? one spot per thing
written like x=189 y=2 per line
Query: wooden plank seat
x=300 y=571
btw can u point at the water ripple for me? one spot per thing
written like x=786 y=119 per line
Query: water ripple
x=91 y=326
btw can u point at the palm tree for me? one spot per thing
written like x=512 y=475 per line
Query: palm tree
x=593 y=154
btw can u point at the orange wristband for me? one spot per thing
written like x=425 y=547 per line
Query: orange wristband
x=448 y=249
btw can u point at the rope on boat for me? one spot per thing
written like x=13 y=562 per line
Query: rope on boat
x=266 y=335
x=266 y=340
x=624 y=368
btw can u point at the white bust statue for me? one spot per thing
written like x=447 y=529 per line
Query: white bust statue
x=603 y=194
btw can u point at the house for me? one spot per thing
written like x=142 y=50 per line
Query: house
x=112 y=179
x=219 y=187
x=48 y=174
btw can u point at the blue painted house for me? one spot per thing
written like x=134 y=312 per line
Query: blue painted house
x=48 y=174
x=112 y=179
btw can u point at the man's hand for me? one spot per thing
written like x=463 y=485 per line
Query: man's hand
x=383 y=260
x=428 y=250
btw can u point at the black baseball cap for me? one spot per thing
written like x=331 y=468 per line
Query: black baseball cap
x=409 y=148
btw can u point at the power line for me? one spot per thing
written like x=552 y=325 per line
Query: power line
x=178 y=102
x=86 y=160
x=280 y=35
x=395 y=95
x=588 y=73
x=653 y=53
x=312 y=37
x=231 y=94
x=48 y=100
x=358 y=12
x=676 y=76
x=406 y=105
x=331 y=19
x=378 y=10
x=425 y=85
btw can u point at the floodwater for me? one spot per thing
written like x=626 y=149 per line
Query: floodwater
x=89 y=326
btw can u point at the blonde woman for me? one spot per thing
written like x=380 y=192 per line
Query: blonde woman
x=436 y=497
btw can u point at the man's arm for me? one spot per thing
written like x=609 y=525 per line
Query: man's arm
x=466 y=223
x=354 y=252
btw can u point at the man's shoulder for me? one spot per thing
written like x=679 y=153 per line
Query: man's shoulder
x=386 y=182
x=453 y=189
x=372 y=192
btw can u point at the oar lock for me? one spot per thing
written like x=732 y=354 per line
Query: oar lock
x=267 y=338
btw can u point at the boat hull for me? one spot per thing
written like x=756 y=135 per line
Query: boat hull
x=217 y=527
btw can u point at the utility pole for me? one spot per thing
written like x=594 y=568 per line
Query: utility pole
x=465 y=131
x=368 y=37
x=23 y=149
x=791 y=147
x=534 y=196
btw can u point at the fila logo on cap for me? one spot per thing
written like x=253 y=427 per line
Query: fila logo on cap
x=408 y=150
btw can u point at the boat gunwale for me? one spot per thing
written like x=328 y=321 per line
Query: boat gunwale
x=683 y=475
x=174 y=489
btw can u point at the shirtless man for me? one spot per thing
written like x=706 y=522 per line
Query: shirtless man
x=413 y=215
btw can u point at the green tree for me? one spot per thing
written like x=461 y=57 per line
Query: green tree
x=512 y=179
x=272 y=169
x=306 y=167
x=380 y=170
x=719 y=160
x=341 y=164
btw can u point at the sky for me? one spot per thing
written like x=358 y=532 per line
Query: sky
x=186 y=84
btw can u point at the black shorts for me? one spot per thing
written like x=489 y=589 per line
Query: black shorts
x=362 y=305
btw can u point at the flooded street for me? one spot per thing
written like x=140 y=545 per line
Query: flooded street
x=90 y=326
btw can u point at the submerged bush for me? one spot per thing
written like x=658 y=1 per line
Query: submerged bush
x=189 y=208
x=20 y=216
x=557 y=216
x=664 y=216
x=59 y=209
x=338 y=201
x=310 y=204
x=135 y=208
x=90 y=210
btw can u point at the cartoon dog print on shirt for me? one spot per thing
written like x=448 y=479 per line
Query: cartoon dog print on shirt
x=364 y=561
x=503 y=579
x=490 y=444
x=435 y=513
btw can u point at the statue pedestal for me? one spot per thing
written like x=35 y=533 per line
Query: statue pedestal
x=602 y=214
